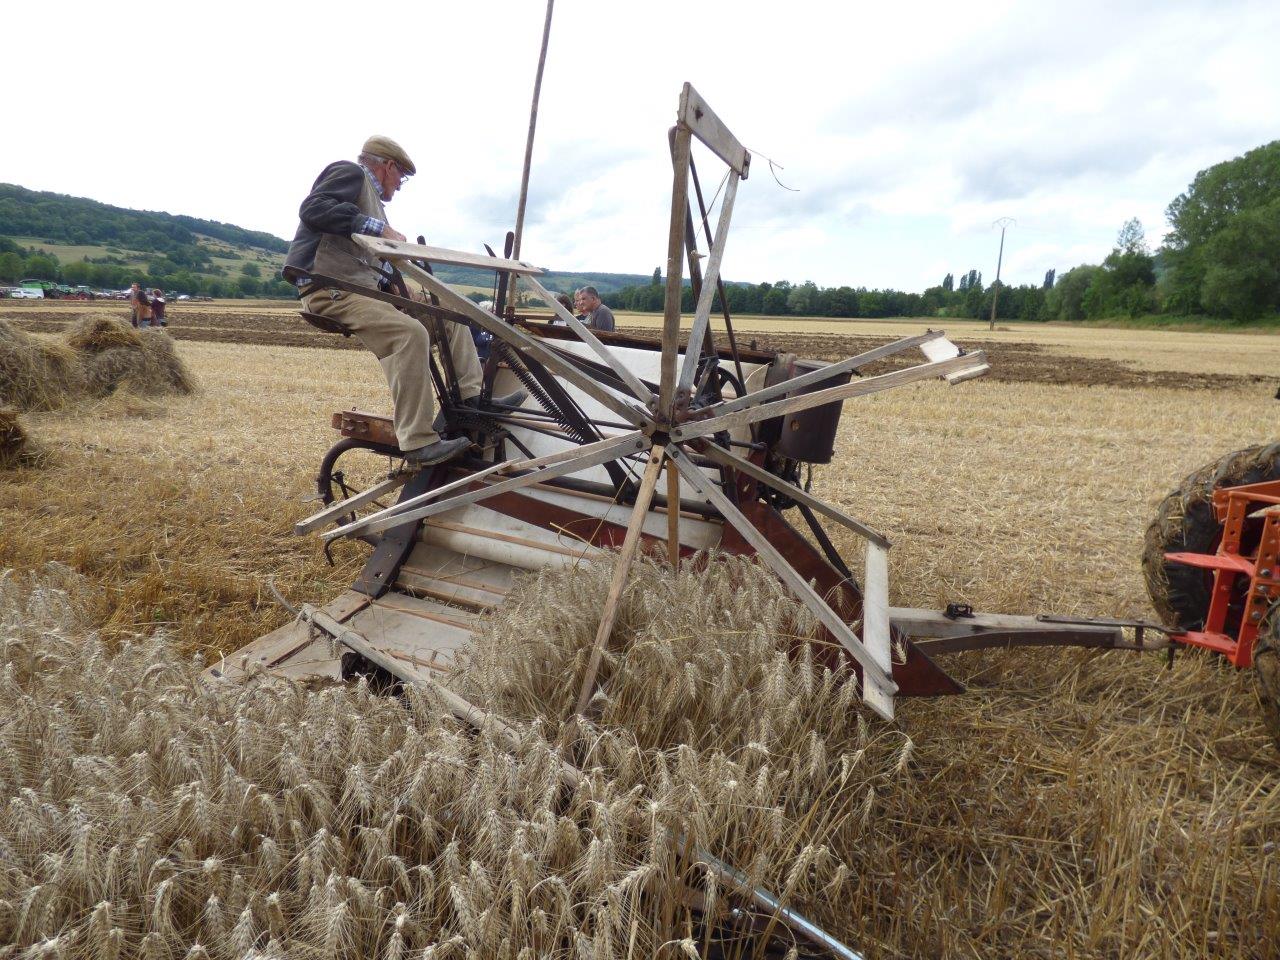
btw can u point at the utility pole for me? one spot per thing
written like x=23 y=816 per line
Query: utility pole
x=1003 y=223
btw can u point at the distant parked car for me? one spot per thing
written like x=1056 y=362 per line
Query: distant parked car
x=183 y=296
x=27 y=293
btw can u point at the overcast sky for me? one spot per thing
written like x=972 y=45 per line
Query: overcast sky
x=903 y=130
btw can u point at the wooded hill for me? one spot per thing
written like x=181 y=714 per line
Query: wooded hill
x=111 y=246
x=77 y=221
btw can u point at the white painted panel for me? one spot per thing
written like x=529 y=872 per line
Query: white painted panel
x=875 y=626
x=944 y=349
x=476 y=531
x=875 y=606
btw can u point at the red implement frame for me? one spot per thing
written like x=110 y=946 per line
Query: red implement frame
x=1260 y=570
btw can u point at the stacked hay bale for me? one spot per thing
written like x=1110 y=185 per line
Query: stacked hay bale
x=36 y=374
x=102 y=355
x=116 y=356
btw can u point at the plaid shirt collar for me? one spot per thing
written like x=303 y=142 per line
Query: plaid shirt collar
x=377 y=187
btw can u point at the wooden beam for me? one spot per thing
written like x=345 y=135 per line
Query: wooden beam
x=621 y=570
x=602 y=452
x=335 y=510
x=437 y=492
x=859 y=388
x=673 y=516
x=823 y=373
x=675 y=269
x=402 y=250
x=702 y=312
x=878 y=687
x=710 y=129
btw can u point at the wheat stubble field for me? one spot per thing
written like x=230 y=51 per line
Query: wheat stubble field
x=1069 y=805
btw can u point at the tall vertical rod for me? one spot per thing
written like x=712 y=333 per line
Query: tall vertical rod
x=673 y=516
x=1003 y=223
x=533 y=123
x=675 y=269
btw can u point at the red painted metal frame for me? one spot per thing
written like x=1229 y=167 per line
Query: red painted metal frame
x=1232 y=507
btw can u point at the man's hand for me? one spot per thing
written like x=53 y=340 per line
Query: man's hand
x=390 y=233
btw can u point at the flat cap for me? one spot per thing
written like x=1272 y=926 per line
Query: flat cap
x=388 y=149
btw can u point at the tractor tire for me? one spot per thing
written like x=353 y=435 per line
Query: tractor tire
x=1185 y=522
x=1266 y=671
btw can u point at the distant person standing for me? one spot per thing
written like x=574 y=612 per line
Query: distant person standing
x=141 y=306
x=570 y=305
x=157 y=308
x=595 y=314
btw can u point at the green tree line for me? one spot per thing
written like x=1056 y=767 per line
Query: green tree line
x=1221 y=258
x=968 y=298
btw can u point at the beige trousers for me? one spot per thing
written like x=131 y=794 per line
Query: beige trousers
x=402 y=345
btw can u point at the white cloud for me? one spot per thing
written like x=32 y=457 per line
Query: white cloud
x=905 y=129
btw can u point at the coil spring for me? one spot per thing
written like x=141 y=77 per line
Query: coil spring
x=530 y=383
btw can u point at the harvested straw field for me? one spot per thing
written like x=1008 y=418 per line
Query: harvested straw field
x=1070 y=804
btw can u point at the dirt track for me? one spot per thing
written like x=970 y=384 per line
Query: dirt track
x=1014 y=361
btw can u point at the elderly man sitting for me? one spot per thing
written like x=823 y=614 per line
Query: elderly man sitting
x=347 y=198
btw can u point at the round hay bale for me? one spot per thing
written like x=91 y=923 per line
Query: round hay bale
x=165 y=366
x=1266 y=671
x=1185 y=522
x=36 y=374
x=96 y=332
x=16 y=446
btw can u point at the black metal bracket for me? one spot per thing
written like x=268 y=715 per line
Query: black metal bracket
x=393 y=549
x=958 y=611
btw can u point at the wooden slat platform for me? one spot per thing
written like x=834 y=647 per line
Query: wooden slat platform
x=289 y=651
x=423 y=634
x=439 y=573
